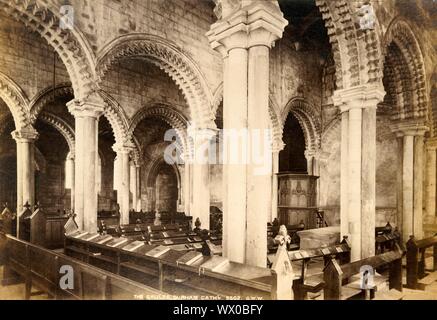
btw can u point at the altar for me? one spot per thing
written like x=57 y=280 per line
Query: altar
x=297 y=199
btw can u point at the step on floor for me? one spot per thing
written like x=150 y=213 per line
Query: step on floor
x=392 y=294
x=418 y=295
x=429 y=279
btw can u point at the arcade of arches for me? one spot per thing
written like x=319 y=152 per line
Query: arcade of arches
x=84 y=112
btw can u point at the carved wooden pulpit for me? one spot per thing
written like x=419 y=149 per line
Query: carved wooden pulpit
x=297 y=199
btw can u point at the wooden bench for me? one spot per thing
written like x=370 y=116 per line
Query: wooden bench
x=337 y=277
x=108 y=217
x=8 y=221
x=304 y=284
x=40 y=268
x=167 y=273
x=165 y=218
x=416 y=259
x=386 y=238
x=141 y=217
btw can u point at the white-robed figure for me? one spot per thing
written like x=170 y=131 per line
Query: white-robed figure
x=282 y=266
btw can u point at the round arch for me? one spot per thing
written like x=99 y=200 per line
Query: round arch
x=310 y=125
x=356 y=50
x=61 y=126
x=16 y=100
x=172 y=60
x=113 y=112
x=166 y=113
x=152 y=171
x=405 y=72
x=47 y=96
x=44 y=18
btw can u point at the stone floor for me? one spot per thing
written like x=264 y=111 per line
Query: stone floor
x=16 y=291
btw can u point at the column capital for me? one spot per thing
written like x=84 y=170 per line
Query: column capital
x=200 y=134
x=92 y=108
x=253 y=23
x=122 y=148
x=309 y=153
x=278 y=147
x=409 y=128
x=358 y=97
x=431 y=143
x=25 y=134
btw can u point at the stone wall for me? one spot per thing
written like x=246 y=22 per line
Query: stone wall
x=27 y=58
x=183 y=22
x=136 y=84
x=294 y=74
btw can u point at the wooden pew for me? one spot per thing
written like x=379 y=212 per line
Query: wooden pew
x=165 y=218
x=304 y=284
x=32 y=225
x=40 y=268
x=416 y=264
x=54 y=231
x=141 y=217
x=108 y=217
x=166 y=272
x=336 y=277
x=8 y=221
x=386 y=238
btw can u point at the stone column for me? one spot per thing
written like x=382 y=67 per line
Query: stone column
x=71 y=166
x=358 y=161
x=138 y=175
x=275 y=171
x=116 y=178
x=133 y=185
x=86 y=114
x=200 y=187
x=244 y=38
x=123 y=167
x=430 y=180
x=412 y=177
x=187 y=188
x=25 y=139
x=344 y=212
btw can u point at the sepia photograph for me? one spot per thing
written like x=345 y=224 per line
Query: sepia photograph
x=217 y=154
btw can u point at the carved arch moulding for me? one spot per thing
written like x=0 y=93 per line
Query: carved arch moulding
x=355 y=47
x=43 y=17
x=173 y=61
x=405 y=68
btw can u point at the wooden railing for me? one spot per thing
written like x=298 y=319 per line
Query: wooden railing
x=40 y=268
